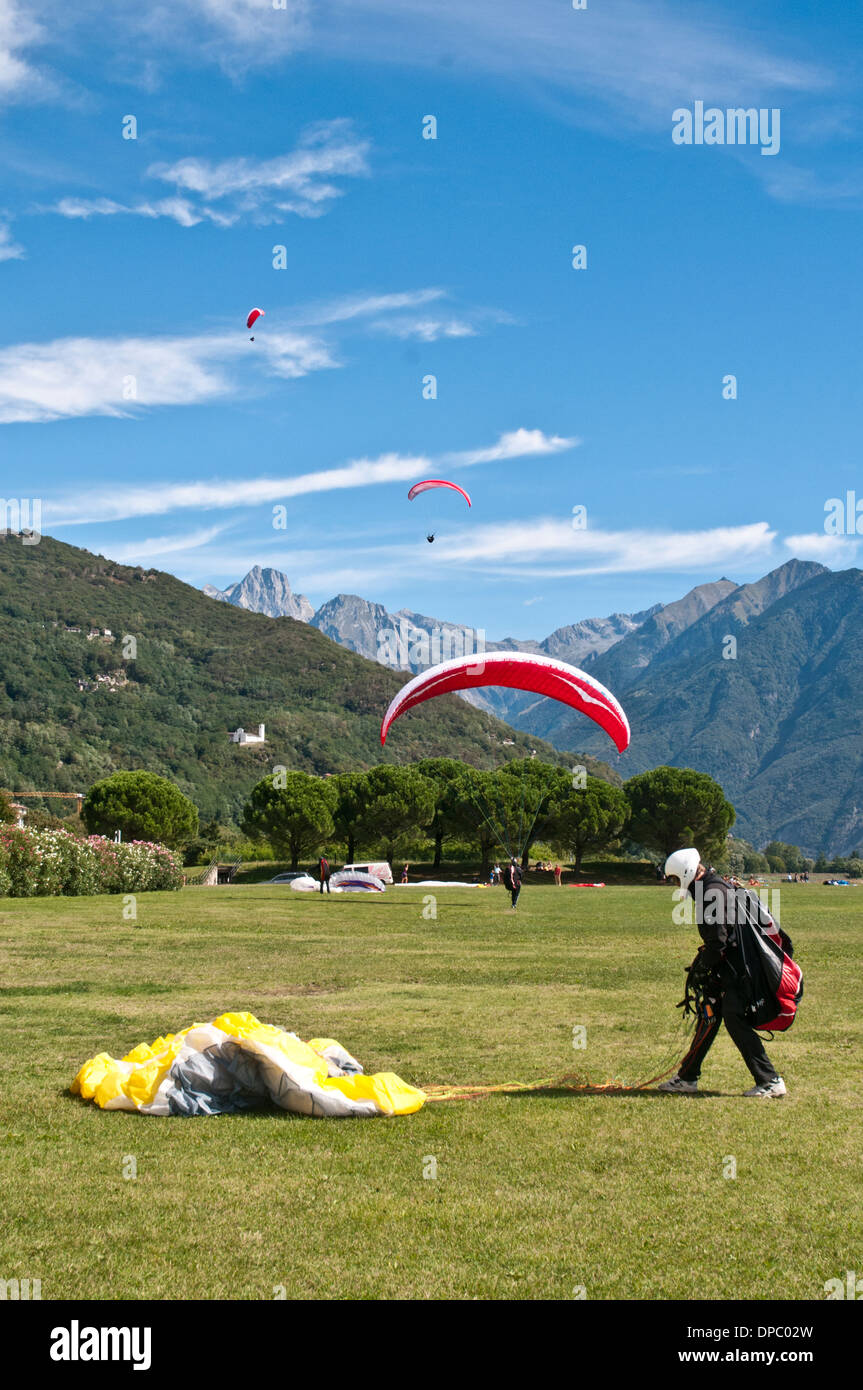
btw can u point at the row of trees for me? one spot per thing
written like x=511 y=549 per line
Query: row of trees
x=389 y=809
x=393 y=810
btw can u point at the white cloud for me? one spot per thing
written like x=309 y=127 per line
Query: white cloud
x=123 y=503
x=258 y=188
x=18 y=33
x=515 y=444
x=534 y=548
x=244 y=188
x=548 y=546
x=830 y=550
x=9 y=249
x=73 y=377
x=392 y=320
x=426 y=330
x=87 y=376
x=363 y=305
x=233 y=33
x=179 y=209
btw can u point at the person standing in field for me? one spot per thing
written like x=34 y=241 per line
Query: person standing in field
x=714 y=970
x=405 y=873
x=557 y=875
x=512 y=880
x=324 y=873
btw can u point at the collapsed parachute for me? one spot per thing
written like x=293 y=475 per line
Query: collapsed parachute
x=543 y=675
x=355 y=881
x=236 y=1063
x=429 y=483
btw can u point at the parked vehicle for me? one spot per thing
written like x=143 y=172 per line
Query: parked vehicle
x=380 y=869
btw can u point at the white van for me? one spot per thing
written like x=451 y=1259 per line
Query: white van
x=380 y=870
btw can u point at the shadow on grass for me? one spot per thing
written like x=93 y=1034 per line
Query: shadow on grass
x=144 y=987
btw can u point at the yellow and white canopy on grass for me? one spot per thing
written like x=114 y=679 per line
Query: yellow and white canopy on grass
x=236 y=1063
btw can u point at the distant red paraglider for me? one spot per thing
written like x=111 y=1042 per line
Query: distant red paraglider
x=542 y=675
x=435 y=482
x=254 y=315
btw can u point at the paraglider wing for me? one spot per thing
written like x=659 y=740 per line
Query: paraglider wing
x=254 y=315
x=429 y=483
x=543 y=675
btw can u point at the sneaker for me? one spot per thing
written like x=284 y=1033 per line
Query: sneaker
x=768 y=1089
x=677 y=1086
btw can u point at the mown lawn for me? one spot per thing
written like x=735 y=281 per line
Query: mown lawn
x=535 y=1196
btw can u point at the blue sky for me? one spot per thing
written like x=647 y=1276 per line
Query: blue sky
x=130 y=265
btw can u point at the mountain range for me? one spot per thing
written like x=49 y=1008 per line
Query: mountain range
x=105 y=666
x=757 y=684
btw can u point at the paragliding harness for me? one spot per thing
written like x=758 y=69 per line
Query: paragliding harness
x=702 y=992
x=760 y=959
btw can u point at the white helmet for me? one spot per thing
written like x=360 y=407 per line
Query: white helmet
x=683 y=864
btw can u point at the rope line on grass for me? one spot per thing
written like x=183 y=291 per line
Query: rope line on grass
x=569 y=1081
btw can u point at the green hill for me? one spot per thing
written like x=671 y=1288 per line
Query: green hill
x=73 y=708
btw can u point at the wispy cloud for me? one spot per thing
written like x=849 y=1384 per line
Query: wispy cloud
x=548 y=546
x=404 y=315
x=535 y=547
x=243 y=189
x=363 y=306
x=180 y=210
x=642 y=60
x=9 y=249
x=154 y=547
x=73 y=377
x=426 y=330
x=124 y=503
x=515 y=444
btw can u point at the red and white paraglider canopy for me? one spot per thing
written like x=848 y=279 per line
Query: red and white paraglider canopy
x=543 y=675
x=429 y=483
x=254 y=315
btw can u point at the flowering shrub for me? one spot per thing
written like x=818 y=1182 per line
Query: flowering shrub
x=43 y=863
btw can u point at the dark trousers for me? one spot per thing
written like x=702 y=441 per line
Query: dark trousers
x=325 y=883
x=729 y=1009
x=515 y=892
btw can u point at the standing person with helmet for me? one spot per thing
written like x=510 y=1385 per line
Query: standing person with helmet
x=512 y=880
x=713 y=972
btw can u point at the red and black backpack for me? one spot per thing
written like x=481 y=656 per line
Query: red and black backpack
x=767 y=975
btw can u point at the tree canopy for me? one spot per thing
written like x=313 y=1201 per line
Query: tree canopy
x=672 y=807
x=590 y=818
x=400 y=801
x=293 y=811
x=142 y=806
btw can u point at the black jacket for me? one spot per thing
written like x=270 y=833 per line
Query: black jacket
x=716 y=908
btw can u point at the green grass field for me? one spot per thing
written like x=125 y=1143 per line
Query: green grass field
x=535 y=1195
